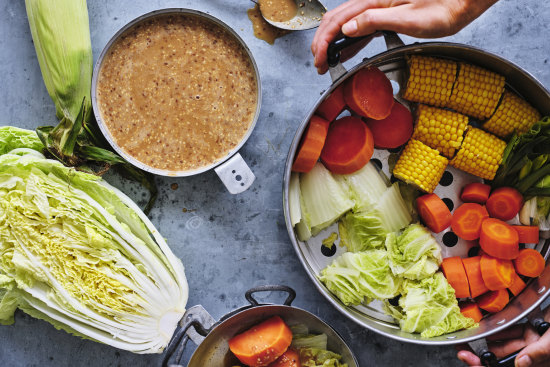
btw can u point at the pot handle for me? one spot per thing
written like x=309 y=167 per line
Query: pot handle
x=235 y=174
x=270 y=288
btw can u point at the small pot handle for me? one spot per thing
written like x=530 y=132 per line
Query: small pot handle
x=235 y=174
x=270 y=288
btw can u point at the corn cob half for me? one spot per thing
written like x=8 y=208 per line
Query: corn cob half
x=480 y=154
x=440 y=129
x=476 y=92
x=513 y=114
x=430 y=80
x=420 y=165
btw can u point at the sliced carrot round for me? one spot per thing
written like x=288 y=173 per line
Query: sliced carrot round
x=499 y=239
x=434 y=213
x=517 y=285
x=312 y=145
x=475 y=279
x=475 y=192
x=504 y=203
x=331 y=107
x=369 y=93
x=529 y=263
x=348 y=147
x=393 y=131
x=494 y=301
x=456 y=276
x=467 y=219
x=527 y=234
x=497 y=273
x=471 y=310
x=290 y=358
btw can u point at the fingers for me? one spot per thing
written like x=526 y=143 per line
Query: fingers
x=469 y=358
x=536 y=353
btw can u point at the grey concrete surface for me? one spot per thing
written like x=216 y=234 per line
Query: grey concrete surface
x=231 y=243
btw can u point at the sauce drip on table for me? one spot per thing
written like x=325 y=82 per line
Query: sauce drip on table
x=262 y=29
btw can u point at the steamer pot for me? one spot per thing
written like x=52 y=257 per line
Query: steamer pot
x=393 y=63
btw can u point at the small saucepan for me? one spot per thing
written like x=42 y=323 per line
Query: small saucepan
x=212 y=337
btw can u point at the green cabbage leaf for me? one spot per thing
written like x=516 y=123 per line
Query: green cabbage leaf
x=313 y=357
x=362 y=231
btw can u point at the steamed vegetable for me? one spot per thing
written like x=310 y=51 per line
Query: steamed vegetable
x=331 y=107
x=369 y=93
x=467 y=219
x=365 y=186
x=434 y=212
x=475 y=192
x=472 y=311
x=499 y=239
x=290 y=358
x=497 y=273
x=311 y=357
x=453 y=269
x=312 y=144
x=362 y=231
x=475 y=278
x=79 y=254
x=494 y=301
x=529 y=263
x=393 y=131
x=527 y=234
x=504 y=203
x=517 y=285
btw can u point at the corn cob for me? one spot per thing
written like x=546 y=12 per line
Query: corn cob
x=476 y=92
x=440 y=129
x=430 y=80
x=420 y=165
x=513 y=114
x=480 y=154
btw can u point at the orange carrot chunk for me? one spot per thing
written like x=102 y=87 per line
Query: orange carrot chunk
x=290 y=358
x=348 y=147
x=529 y=263
x=467 y=219
x=499 y=239
x=263 y=343
x=471 y=310
x=497 y=273
x=369 y=93
x=504 y=203
x=517 y=285
x=494 y=301
x=456 y=276
x=475 y=279
x=393 y=131
x=312 y=144
x=331 y=107
x=475 y=192
x=434 y=213
x=527 y=234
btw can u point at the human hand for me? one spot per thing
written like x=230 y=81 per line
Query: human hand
x=417 y=18
x=536 y=349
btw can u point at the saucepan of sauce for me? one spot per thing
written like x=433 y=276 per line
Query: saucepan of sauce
x=177 y=92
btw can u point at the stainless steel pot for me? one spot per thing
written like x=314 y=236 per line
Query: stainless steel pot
x=212 y=337
x=232 y=169
x=393 y=63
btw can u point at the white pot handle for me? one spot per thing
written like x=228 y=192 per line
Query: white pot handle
x=235 y=174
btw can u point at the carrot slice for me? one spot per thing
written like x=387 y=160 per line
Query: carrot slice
x=517 y=285
x=348 y=147
x=456 y=276
x=529 y=263
x=471 y=310
x=499 y=239
x=263 y=343
x=497 y=273
x=290 y=358
x=475 y=192
x=331 y=107
x=475 y=279
x=467 y=219
x=494 y=301
x=369 y=93
x=434 y=213
x=312 y=145
x=393 y=131
x=527 y=234
x=504 y=203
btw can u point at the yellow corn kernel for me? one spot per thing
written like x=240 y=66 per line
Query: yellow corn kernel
x=476 y=91
x=430 y=80
x=480 y=154
x=513 y=114
x=440 y=129
x=420 y=165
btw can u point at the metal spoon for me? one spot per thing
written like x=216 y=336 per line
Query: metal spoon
x=308 y=16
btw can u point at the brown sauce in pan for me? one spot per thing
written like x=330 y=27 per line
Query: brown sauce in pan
x=177 y=92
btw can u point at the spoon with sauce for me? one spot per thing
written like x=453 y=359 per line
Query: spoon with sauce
x=293 y=15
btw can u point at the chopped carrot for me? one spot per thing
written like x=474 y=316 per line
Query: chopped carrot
x=456 y=276
x=517 y=285
x=499 y=239
x=475 y=192
x=348 y=147
x=312 y=144
x=290 y=358
x=527 y=234
x=263 y=343
x=504 y=203
x=467 y=219
x=471 y=310
x=369 y=93
x=529 y=263
x=475 y=279
x=331 y=107
x=434 y=213
x=393 y=131
x=494 y=301
x=497 y=273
